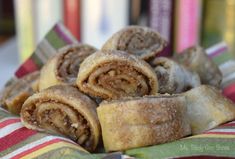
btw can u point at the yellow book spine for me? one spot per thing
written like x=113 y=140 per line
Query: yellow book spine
x=24 y=27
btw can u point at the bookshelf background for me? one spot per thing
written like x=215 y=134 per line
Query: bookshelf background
x=7 y=20
x=183 y=23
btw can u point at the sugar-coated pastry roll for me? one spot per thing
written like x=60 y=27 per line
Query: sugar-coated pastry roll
x=115 y=74
x=62 y=109
x=14 y=94
x=63 y=67
x=139 y=122
x=208 y=108
x=173 y=77
x=196 y=59
x=137 y=40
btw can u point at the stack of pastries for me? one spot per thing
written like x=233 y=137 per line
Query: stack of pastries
x=123 y=93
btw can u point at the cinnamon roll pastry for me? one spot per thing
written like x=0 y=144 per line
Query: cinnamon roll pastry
x=115 y=74
x=137 y=40
x=137 y=122
x=63 y=67
x=173 y=77
x=207 y=108
x=14 y=94
x=196 y=59
x=62 y=109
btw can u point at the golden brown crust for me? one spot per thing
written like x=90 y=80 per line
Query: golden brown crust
x=138 y=122
x=137 y=40
x=196 y=59
x=14 y=95
x=63 y=109
x=64 y=66
x=173 y=77
x=208 y=108
x=115 y=74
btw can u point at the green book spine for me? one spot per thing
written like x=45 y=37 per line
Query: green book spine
x=219 y=25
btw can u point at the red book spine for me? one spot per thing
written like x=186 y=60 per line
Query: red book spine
x=187 y=24
x=72 y=17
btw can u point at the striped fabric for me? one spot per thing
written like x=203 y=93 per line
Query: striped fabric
x=58 y=37
x=16 y=141
x=215 y=143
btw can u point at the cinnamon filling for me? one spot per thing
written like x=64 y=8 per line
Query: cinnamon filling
x=68 y=67
x=67 y=121
x=69 y=63
x=120 y=79
x=139 y=42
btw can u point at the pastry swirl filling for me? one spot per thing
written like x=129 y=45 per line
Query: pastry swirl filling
x=116 y=74
x=140 y=41
x=62 y=109
x=69 y=62
x=59 y=117
x=120 y=80
x=64 y=66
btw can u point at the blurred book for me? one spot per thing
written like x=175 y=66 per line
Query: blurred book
x=33 y=20
x=161 y=20
x=72 y=17
x=134 y=11
x=101 y=19
x=219 y=25
x=97 y=20
x=94 y=21
x=187 y=22
x=139 y=12
x=7 y=28
x=24 y=27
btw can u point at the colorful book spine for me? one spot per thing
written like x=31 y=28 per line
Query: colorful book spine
x=161 y=13
x=219 y=25
x=72 y=17
x=134 y=12
x=6 y=19
x=34 y=19
x=24 y=28
x=187 y=24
